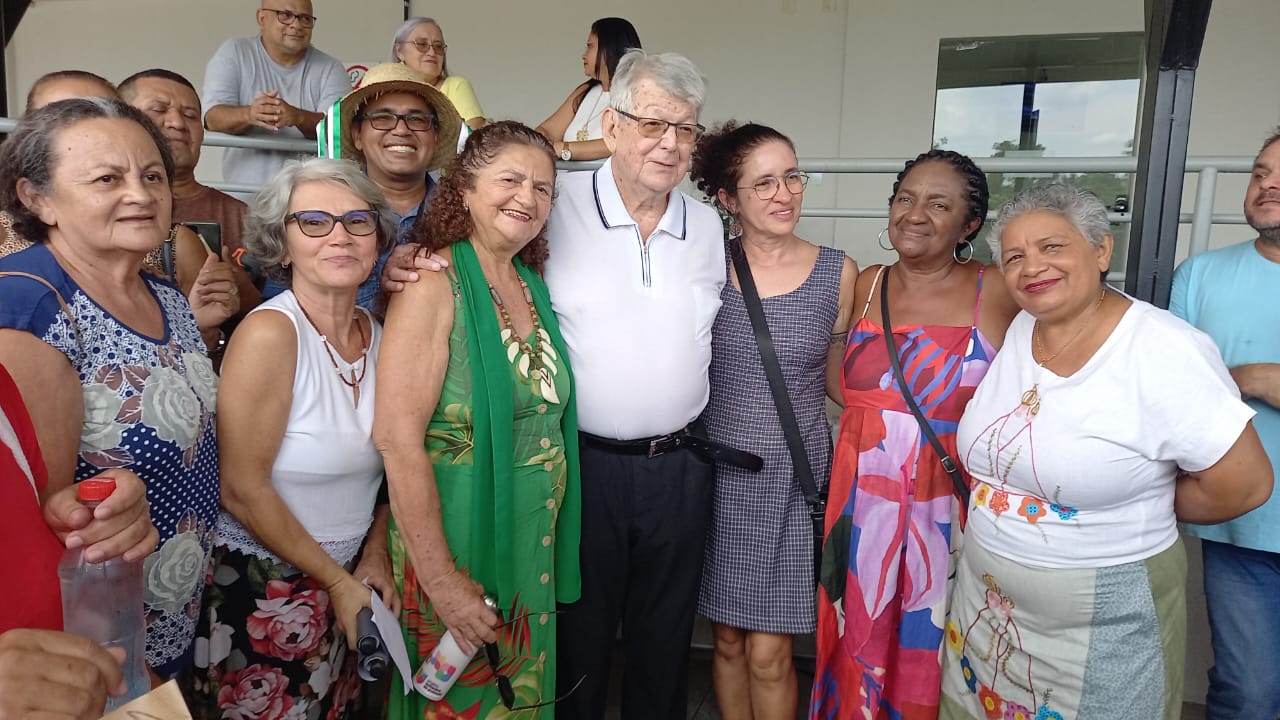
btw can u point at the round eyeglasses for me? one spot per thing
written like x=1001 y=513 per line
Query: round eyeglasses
x=318 y=223
x=767 y=187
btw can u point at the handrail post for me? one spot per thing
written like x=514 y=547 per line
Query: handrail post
x=1202 y=213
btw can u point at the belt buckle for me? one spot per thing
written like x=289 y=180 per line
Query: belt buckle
x=663 y=445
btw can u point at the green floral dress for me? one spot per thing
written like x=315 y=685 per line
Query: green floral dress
x=527 y=642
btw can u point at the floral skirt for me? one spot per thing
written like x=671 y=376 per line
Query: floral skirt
x=1030 y=643
x=267 y=647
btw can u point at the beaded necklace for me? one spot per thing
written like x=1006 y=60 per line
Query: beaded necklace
x=363 y=360
x=532 y=350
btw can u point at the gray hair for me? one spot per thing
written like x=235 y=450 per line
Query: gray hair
x=264 y=222
x=402 y=37
x=673 y=73
x=1078 y=206
x=29 y=153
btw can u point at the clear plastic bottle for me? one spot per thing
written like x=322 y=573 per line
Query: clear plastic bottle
x=445 y=664
x=103 y=602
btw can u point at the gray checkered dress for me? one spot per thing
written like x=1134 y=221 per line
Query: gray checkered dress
x=758 y=572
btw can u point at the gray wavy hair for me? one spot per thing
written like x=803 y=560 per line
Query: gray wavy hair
x=1078 y=206
x=402 y=37
x=673 y=73
x=264 y=223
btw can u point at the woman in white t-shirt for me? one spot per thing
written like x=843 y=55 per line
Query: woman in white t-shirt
x=574 y=128
x=1102 y=422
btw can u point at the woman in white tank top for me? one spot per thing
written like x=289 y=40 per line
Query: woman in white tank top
x=300 y=473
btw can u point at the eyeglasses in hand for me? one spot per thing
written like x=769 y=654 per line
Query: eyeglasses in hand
x=287 y=17
x=318 y=223
x=387 y=120
x=426 y=45
x=767 y=187
x=686 y=134
x=506 y=692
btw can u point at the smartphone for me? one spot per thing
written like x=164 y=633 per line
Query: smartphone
x=210 y=233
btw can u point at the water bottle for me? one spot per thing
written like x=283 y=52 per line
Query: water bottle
x=103 y=602
x=445 y=664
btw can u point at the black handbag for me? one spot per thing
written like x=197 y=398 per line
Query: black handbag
x=816 y=501
x=948 y=462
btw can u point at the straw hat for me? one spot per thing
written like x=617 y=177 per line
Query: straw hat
x=394 y=77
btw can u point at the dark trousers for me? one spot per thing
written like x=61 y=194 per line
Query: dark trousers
x=644 y=528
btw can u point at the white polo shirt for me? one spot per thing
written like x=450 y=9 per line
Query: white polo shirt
x=636 y=315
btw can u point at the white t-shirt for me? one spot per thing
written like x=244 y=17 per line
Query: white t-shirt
x=1088 y=481
x=636 y=316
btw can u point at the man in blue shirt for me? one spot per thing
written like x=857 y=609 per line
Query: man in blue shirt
x=1232 y=294
x=400 y=130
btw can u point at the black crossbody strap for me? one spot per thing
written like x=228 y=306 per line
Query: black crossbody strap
x=948 y=463
x=778 y=387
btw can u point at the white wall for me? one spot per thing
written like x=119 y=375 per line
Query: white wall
x=846 y=78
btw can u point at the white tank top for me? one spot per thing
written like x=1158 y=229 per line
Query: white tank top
x=328 y=470
x=588 y=116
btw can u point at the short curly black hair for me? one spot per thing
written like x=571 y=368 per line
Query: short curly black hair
x=720 y=154
x=977 y=195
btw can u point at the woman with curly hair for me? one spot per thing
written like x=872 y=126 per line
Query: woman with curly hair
x=883 y=586
x=479 y=436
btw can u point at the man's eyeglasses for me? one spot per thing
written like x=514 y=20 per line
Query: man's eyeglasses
x=425 y=45
x=767 y=187
x=287 y=17
x=387 y=120
x=318 y=223
x=686 y=134
x=506 y=692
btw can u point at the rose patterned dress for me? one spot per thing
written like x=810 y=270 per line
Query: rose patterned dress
x=148 y=407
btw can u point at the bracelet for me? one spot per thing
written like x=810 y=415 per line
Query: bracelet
x=438 y=578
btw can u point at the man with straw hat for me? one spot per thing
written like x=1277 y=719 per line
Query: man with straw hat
x=402 y=131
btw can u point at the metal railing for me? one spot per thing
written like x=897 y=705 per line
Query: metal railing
x=1202 y=218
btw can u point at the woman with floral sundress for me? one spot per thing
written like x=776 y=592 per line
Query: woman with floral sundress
x=883 y=586
x=478 y=432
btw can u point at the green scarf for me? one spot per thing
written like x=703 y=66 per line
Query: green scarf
x=493 y=417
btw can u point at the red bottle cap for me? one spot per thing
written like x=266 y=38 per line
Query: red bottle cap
x=95 y=490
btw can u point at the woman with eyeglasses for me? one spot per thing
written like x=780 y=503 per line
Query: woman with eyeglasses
x=300 y=470
x=758 y=576
x=476 y=424
x=574 y=129
x=894 y=507
x=419 y=43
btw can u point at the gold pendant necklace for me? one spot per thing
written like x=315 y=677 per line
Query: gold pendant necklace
x=583 y=135
x=1031 y=398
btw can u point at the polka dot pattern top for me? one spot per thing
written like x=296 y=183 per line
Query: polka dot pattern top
x=148 y=407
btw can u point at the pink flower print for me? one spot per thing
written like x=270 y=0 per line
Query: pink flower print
x=1014 y=711
x=288 y=626
x=1032 y=509
x=254 y=693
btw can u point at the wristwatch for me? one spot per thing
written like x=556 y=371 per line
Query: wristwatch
x=566 y=154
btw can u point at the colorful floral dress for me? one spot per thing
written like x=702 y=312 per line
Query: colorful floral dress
x=527 y=643
x=148 y=407
x=883 y=586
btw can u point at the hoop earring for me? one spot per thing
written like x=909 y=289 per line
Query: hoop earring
x=735 y=227
x=960 y=249
x=880 y=241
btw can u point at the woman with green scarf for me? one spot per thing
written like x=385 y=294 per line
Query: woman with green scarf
x=476 y=425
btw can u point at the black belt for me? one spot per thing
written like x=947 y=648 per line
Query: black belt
x=681 y=439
